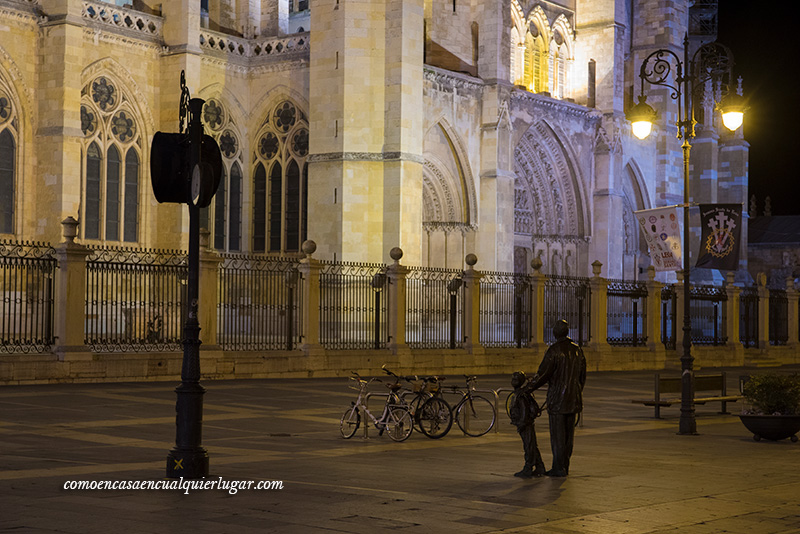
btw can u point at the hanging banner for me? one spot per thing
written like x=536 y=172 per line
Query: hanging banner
x=721 y=227
x=663 y=235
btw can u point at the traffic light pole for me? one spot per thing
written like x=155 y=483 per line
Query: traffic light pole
x=188 y=459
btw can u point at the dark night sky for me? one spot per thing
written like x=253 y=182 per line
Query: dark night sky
x=766 y=48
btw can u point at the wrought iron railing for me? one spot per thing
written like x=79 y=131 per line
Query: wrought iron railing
x=570 y=299
x=353 y=306
x=669 y=327
x=748 y=317
x=434 y=299
x=27 y=270
x=135 y=299
x=778 y=317
x=627 y=312
x=505 y=310
x=260 y=303
x=708 y=313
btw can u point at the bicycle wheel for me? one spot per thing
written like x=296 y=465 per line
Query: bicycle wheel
x=475 y=416
x=349 y=423
x=414 y=409
x=435 y=418
x=399 y=423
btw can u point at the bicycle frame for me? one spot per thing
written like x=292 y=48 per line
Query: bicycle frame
x=362 y=401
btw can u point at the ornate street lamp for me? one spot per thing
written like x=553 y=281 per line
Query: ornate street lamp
x=712 y=65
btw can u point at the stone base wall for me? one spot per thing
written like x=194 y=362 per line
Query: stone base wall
x=216 y=364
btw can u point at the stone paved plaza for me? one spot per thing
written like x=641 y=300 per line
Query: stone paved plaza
x=630 y=473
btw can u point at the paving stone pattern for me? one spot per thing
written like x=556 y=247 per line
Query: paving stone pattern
x=630 y=473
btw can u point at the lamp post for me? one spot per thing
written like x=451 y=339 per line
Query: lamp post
x=712 y=62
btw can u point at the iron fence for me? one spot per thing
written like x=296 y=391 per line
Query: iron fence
x=434 y=299
x=708 y=313
x=260 y=303
x=748 y=317
x=26 y=285
x=627 y=312
x=669 y=327
x=353 y=306
x=778 y=317
x=135 y=299
x=505 y=310
x=567 y=298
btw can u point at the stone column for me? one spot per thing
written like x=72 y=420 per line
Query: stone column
x=208 y=294
x=274 y=17
x=365 y=121
x=763 y=311
x=397 y=303
x=599 y=310
x=471 y=306
x=792 y=297
x=58 y=131
x=70 y=296
x=536 y=341
x=309 y=269
x=652 y=327
x=679 y=310
x=732 y=321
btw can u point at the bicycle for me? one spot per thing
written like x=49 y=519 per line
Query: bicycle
x=431 y=414
x=475 y=415
x=396 y=417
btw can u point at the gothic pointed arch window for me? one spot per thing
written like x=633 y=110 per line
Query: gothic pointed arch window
x=112 y=163
x=223 y=218
x=8 y=162
x=558 y=66
x=280 y=181
x=517 y=59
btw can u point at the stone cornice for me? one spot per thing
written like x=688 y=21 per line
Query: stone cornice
x=18 y=14
x=521 y=97
x=365 y=156
x=449 y=80
x=96 y=34
x=557 y=238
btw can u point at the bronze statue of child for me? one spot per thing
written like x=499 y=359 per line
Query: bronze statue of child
x=523 y=411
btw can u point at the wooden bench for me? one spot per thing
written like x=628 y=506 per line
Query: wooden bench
x=673 y=384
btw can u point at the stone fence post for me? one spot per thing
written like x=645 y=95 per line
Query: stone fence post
x=309 y=269
x=652 y=328
x=472 y=306
x=763 y=311
x=70 y=295
x=397 y=303
x=792 y=315
x=537 y=325
x=598 y=315
x=679 y=311
x=208 y=294
x=732 y=320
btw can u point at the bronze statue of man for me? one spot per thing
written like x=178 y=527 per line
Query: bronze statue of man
x=523 y=412
x=563 y=369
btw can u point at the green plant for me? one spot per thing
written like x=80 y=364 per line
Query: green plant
x=773 y=393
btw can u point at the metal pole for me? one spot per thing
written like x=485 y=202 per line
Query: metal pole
x=687 y=423
x=377 y=332
x=188 y=459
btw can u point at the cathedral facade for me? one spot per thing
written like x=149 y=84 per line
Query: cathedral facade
x=444 y=127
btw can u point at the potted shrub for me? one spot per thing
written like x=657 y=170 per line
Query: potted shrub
x=774 y=406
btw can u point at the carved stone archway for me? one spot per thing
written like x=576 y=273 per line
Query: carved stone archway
x=548 y=205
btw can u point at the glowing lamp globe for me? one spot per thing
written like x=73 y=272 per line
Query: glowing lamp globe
x=642 y=117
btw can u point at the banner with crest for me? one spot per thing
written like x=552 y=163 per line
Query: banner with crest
x=721 y=226
x=662 y=232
